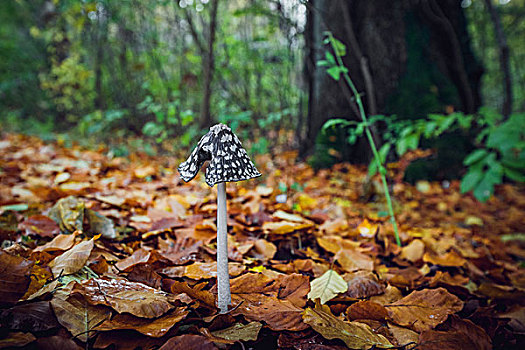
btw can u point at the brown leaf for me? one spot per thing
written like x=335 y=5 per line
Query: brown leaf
x=425 y=309
x=14 y=278
x=77 y=315
x=60 y=242
x=151 y=327
x=284 y=227
x=140 y=256
x=39 y=225
x=239 y=331
x=363 y=284
x=264 y=250
x=124 y=296
x=198 y=270
x=457 y=334
x=188 y=341
x=72 y=260
x=390 y=295
x=355 y=335
x=278 y=314
x=31 y=317
x=449 y=259
x=366 y=310
x=402 y=335
x=195 y=292
x=353 y=260
x=16 y=339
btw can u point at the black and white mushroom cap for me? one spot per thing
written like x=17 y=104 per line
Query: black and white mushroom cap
x=228 y=159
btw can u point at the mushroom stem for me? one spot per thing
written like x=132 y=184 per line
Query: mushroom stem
x=223 y=277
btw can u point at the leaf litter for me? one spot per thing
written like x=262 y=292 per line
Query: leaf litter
x=100 y=252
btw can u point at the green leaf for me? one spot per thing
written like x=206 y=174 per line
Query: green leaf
x=475 y=157
x=471 y=179
x=339 y=47
x=336 y=122
x=335 y=72
x=330 y=58
x=514 y=174
x=327 y=286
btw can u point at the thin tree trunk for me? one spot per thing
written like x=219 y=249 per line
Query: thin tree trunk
x=503 y=58
x=209 y=67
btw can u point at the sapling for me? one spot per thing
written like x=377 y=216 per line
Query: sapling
x=228 y=161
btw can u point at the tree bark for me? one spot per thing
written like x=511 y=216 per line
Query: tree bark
x=209 y=68
x=503 y=58
x=400 y=55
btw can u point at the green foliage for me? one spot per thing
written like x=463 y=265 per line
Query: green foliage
x=106 y=69
x=500 y=149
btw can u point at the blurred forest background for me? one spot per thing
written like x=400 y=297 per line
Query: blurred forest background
x=152 y=75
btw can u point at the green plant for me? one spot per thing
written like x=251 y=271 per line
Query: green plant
x=336 y=69
x=500 y=144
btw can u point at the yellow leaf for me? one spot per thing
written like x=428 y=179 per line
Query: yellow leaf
x=327 y=286
x=356 y=335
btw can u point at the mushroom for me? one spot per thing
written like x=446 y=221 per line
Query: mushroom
x=228 y=162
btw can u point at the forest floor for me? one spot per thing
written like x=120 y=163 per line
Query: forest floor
x=99 y=252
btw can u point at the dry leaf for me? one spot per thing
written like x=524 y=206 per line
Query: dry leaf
x=151 y=327
x=60 y=242
x=16 y=339
x=366 y=310
x=14 y=277
x=327 y=287
x=188 y=341
x=72 y=260
x=240 y=332
x=413 y=251
x=124 y=296
x=77 y=315
x=423 y=310
x=355 y=335
x=39 y=225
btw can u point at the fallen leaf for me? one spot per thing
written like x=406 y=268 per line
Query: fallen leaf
x=239 y=332
x=284 y=227
x=279 y=315
x=14 y=277
x=31 y=317
x=77 y=315
x=356 y=335
x=327 y=287
x=449 y=259
x=279 y=214
x=16 y=339
x=413 y=251
x=99 y=224
x=151 y=327
x=264 y=250
x=456 y=334
x=366 y=310
x=124 y=296
x=188 y=341
x=402 y=335
x=68 y=213
x=423 y=310
x=39 y=225
x=197 y=271
x=72 y=260
x=363 y=284
x=60 y=242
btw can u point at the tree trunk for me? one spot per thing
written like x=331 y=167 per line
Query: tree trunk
x=503 y=58
x=209 y=68
x=408 y=58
